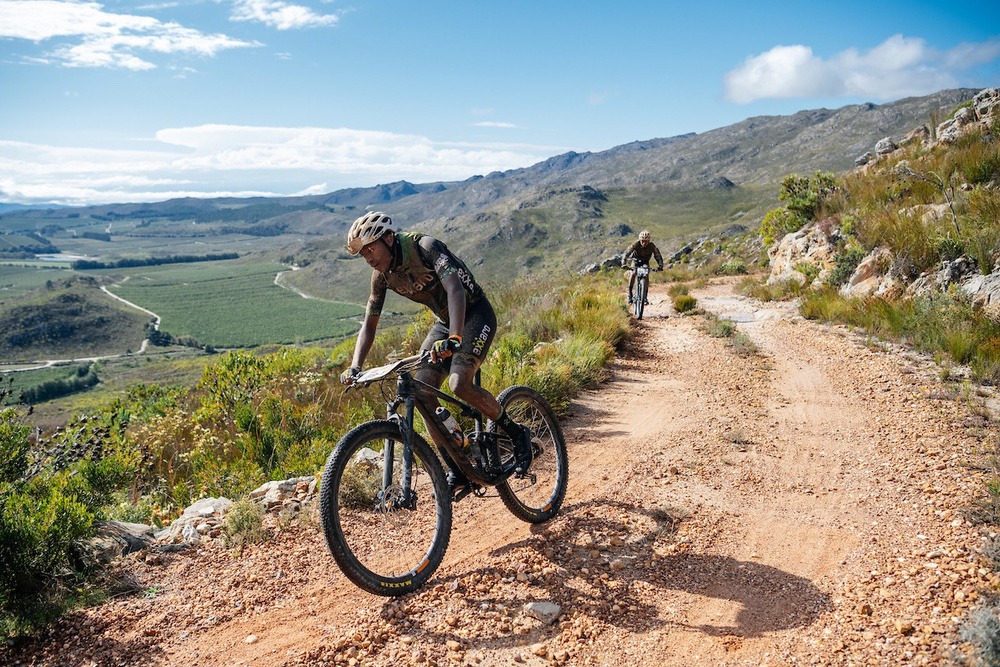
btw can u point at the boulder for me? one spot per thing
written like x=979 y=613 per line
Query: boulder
x=113 y=540
x=949 y=273
x=985 y=292
x=809 y=245
x=928 y=212
x=209 y=511
x=965 y=120
x=686 y=250
x=986 y=101
x=546 y=612
x=885 y=146
x=872 y=276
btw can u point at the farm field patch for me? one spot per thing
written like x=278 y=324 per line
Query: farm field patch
x=232 y=304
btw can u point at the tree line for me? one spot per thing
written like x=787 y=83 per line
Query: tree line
x=84 y=264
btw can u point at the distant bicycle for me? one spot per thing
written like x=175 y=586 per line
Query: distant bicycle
x=385 y=501
x=640 y=292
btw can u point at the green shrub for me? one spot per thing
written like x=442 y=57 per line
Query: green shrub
x=809 y=270
x=981 y=228
x=719 y=327
x=49 y=501
x=778 y=222
x=844 y=264
x=733 y=267
x=741 y=344
x=358 y=485
x=981 y=628
x=678 y=289
x=804 y=195
x=245 y=525
x=949 y=248
x=684 y=303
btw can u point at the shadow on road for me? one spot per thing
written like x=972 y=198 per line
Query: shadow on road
x=631 y=583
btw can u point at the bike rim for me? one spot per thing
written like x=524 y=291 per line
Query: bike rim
x=383 y=536
x=539 y=490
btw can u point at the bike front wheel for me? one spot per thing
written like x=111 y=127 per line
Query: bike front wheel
x=536 y=497
x=387 y=539
x=641 y=289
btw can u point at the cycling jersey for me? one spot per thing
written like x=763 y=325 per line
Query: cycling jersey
x=642 y=253
x=419 y=264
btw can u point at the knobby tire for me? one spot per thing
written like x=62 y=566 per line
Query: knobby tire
x=539 y=501
x=641 y=289
x=384 y=548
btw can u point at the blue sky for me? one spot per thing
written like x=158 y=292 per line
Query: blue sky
x=115 y=100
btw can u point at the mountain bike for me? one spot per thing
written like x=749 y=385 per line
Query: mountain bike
x=385 y=502
x=640 y=289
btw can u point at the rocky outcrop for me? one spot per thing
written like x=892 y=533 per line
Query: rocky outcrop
x=808 y=246
x=288 y=497
x=873 y=277
x=607 y=263
x=113 y=540
x=978 y=116
x=984 y=292
x=875 y=274
x=205 y=517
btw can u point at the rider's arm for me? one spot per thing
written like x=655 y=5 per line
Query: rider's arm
x=365 y=339
x=657 y=255
x=628 y=254
x=456 y=304
x=376 y=299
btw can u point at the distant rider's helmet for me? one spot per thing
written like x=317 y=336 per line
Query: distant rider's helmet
x=368 y=228
x=644 y=235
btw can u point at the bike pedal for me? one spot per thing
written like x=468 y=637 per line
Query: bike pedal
x=460 y=492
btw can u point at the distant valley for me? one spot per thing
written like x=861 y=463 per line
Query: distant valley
x=553 y=218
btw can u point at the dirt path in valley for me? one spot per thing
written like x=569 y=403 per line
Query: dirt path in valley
x=797 y=505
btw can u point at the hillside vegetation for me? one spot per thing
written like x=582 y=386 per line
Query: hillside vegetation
x=906 y=247
x=66 y=317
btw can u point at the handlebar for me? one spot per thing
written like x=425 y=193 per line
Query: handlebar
x=371 y=375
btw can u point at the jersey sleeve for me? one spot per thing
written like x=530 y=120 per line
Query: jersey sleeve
x=436 y=255
x=657 y=255
x=376 y=298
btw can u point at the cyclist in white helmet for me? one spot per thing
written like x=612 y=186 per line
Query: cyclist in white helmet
x=639 y=253
x=424 y=270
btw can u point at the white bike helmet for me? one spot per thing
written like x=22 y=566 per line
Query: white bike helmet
x=366 y=229
x=644 y=235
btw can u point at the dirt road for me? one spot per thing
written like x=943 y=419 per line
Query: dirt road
x=798 y=505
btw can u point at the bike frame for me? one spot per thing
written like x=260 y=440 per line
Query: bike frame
x=415 y=395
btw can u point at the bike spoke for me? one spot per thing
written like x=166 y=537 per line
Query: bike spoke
x=383 y=535
x=537 y=495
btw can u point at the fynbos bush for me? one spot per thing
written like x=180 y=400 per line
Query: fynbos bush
x=684 y=303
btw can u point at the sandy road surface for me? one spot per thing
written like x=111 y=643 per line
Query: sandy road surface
x=801 y=505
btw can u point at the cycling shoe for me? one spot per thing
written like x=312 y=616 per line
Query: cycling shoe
x=523 y=451
x=458 y=485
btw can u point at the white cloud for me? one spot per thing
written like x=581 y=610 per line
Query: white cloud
x=281 y=15
x=897 y=67
x=89 y=36
x=207 y=160
x=494 y=123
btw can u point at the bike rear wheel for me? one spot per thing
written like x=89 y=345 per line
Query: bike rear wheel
x=537 y=497
x=641 y=289
x=384 y=544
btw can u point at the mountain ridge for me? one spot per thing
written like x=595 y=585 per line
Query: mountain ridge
x=558 y=214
